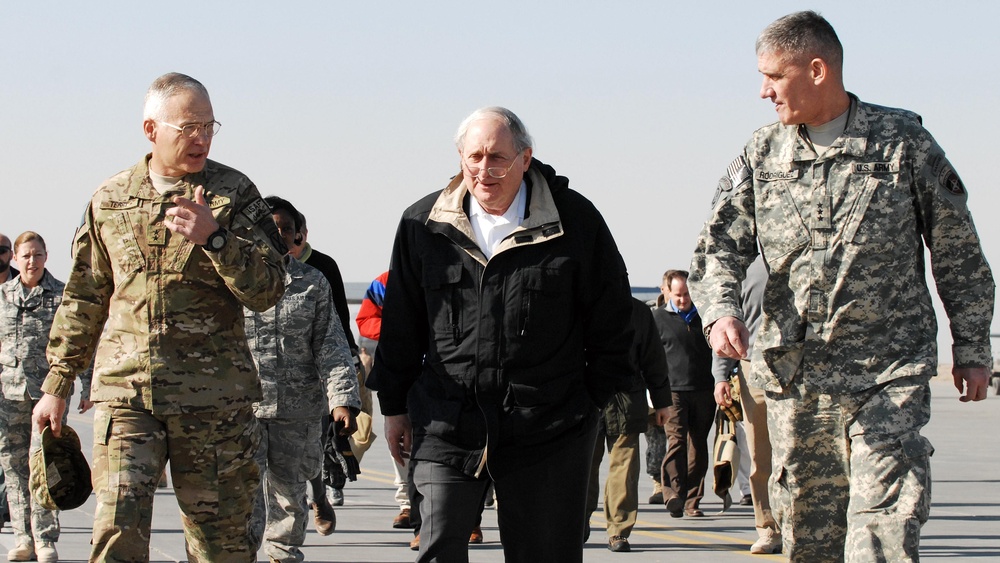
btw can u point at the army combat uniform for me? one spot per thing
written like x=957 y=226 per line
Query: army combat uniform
x=173 y=376
x=305 y=364
x=25 y=320
x=847 y=344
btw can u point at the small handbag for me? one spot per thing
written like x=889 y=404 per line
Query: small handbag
x=726 y=458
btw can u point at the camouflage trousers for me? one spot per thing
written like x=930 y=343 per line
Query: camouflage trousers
x=290 y=453
x=656 y=449
x=212 y=467
x=31 y=523
x=851 y=473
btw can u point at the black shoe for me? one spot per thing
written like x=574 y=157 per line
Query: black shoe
x=619 y=544
x=674 y=504
x=656 y=498
x=747 y=500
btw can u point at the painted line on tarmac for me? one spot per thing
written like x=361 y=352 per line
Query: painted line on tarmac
x=377 y=476
x=684 y=537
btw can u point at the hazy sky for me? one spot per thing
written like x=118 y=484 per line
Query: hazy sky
x=348 y=108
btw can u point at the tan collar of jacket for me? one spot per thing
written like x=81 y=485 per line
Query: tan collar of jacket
x=541 y=222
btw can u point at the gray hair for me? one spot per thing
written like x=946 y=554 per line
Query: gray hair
x=802 y=35
x=166 y=86
x=522 y=140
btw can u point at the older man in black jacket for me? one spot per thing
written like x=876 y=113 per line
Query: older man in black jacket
x=505 y=328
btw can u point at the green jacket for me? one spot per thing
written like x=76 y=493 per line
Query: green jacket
x=174 y=339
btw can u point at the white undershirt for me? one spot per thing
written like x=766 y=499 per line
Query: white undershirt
x=163 y=184
x=490 y=230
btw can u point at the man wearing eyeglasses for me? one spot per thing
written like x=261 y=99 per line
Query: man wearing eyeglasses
x=505 y=328
x=169 y=253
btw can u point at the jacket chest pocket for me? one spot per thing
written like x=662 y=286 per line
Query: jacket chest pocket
x=881 y=215
x=126 y=254
x=546 y=303
x=779 y=221
x=442 y=292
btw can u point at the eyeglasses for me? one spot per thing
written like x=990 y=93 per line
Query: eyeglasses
x=4 y=249
x=493 y=171
x=192 y=130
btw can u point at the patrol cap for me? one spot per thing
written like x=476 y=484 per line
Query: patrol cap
x=60 y=474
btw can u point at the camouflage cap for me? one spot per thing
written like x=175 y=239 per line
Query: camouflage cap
x=60 y=474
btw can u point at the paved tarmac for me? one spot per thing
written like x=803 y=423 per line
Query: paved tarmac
x=964 y=524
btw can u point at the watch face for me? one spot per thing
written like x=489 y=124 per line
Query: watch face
x=216 y=242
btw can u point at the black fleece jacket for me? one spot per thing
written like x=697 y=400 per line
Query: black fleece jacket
x=517 y=352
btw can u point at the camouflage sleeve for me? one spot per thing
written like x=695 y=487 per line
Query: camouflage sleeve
x=332 y=353
x=80 y=318
x=726 y=247
x=85 y=379
x=961 y=273
x=251 y=261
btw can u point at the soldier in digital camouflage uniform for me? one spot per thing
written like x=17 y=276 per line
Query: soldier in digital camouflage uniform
x=842 y=197
x=28 y=304
x=169 y=253
x=305 y=364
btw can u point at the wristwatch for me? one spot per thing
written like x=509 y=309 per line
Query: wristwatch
x=217 y=240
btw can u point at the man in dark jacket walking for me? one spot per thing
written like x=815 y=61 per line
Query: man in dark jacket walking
x=504 y=330
x=625 y=417
x=690 y=418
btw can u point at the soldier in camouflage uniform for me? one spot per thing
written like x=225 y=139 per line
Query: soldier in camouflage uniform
x=169 y=253
x=6 y=273
x=28 y=304
x=842 y=197
x=305 y=364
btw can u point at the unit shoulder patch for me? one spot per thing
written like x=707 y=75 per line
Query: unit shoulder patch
x=257 y=210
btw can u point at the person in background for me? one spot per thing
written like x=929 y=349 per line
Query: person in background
x=692 y=412
x=28 y=305
x=845 y=200
x=6 y=272
x=754 y=408
x=306 y=373
x=325 y=496
x=624 y=419
x=507 y=323
x=169 y=253
x=369 y=320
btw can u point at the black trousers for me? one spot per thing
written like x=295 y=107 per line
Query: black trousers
x=541 y=504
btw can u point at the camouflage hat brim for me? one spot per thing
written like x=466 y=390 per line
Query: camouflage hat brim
x=60 y=474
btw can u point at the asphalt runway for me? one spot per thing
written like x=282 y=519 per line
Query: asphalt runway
x=964 y=523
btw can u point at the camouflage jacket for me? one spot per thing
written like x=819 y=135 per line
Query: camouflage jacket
x=846 y=305
x=25 y=321
x=300 y=349
x=174 y=339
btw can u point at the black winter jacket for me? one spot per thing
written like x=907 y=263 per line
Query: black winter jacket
x=628 y=411
x=515 y=353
